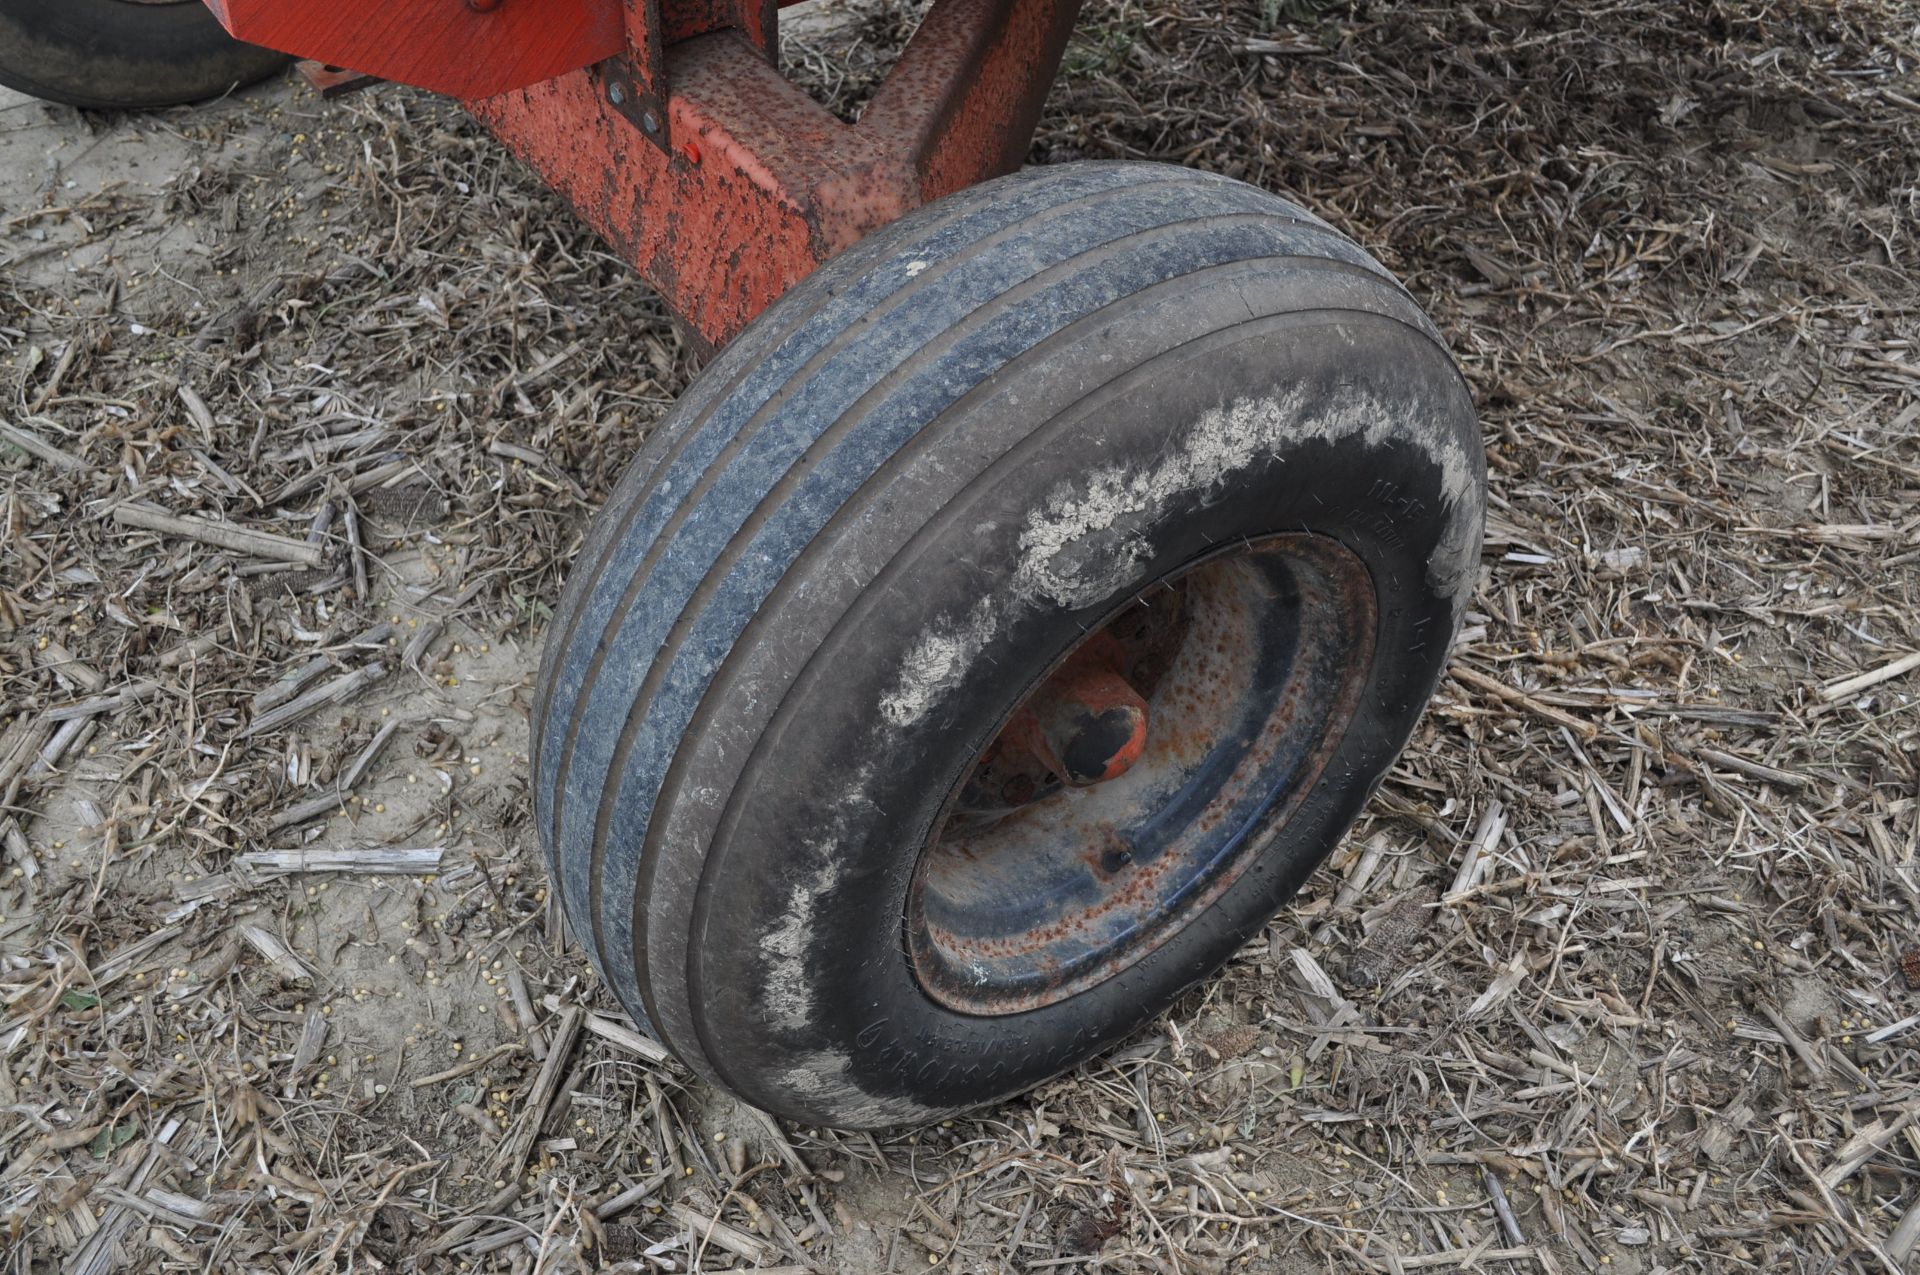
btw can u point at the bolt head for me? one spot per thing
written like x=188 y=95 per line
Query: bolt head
x=650 y=122
x=615 y=93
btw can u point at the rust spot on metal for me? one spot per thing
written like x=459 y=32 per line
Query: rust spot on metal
x=1249 y=691
x=773 y=184
x=333 y=81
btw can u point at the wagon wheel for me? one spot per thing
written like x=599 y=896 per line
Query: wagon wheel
x=124 y=53
x=997 y=634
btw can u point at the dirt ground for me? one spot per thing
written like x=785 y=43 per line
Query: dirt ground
x=1619 y=973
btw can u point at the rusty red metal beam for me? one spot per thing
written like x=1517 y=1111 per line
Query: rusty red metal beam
x=753 y=19
x=720 y=224
x=758 y=183
x=667 y=126
x=1086 y=724
x=961 y=103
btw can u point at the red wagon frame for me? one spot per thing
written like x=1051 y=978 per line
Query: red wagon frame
x=669 y=128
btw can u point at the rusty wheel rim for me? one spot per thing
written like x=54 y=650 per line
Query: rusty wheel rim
x=1248 y=666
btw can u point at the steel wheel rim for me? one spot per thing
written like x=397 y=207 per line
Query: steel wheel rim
x=1013 y=912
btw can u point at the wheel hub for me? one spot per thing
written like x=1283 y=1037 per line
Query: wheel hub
x=1086 y=724
x=1089 y=722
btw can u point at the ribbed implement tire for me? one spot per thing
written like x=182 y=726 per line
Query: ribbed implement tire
x=852 y=547
x=115 y=53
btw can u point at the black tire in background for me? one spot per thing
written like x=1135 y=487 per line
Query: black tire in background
x=122 y=53
x=882 y=515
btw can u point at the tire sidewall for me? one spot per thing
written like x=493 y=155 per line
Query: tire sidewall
x=806 y=998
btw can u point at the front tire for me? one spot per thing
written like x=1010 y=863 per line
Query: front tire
x=882 y=518
x=124 y=54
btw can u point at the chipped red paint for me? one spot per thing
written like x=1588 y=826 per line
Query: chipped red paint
x=753 y=19
x=667 y=127
x=751 y=183
x=962 y=102
x=719 y=238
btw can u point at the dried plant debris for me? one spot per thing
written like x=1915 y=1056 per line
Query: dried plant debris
x=305 y=407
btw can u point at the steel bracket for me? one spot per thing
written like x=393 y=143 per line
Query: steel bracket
x=629 y=93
